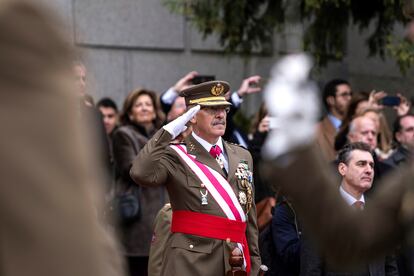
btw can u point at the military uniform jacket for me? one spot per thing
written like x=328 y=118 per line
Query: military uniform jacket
x=158 y=164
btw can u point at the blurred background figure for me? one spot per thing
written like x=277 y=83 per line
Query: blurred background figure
x=404 y=137
x=168 y=98
x=336 y=99
x=402 y=156
x=141 y=117
x=79 y=71
x=234 y=133
x=287 y=239
x=109 y=111
x=178 y=108
x=384 y=138
x=110 y=118
x=90 y=116
x=258 y=132
x=364 y=129
x=50 y=196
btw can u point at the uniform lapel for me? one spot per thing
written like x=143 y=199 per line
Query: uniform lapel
x=194 y=148
x=233 y=159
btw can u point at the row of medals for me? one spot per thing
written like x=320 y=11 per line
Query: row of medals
x=244 y=176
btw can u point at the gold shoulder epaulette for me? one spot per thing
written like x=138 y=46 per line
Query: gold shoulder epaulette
x=239 y=145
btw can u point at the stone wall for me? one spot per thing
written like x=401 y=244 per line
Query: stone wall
x=138 y=43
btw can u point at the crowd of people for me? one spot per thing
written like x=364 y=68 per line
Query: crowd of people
x=143 y=114
x=187 y=190
x=354 y=122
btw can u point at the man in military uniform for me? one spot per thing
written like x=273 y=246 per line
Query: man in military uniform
x=209 y=182
x=160 y=235
x=344 y=236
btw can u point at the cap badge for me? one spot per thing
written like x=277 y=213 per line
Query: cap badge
x=217 y=89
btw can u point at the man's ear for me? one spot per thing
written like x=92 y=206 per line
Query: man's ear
x=342 y=168
x=350 y=136
x=193 y=120
x=330 y=100
x=398 y=136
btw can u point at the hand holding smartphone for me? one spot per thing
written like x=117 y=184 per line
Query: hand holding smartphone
x=390 y=101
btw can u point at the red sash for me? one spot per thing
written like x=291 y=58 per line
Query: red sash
x=210 y=226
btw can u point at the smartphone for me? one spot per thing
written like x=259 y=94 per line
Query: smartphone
x=261 y=83
x=202 y=78
x=390 y=101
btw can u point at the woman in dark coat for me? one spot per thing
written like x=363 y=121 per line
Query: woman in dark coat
x=141 y=117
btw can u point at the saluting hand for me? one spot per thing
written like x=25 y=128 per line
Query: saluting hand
x=293 y=105
x=178 y=125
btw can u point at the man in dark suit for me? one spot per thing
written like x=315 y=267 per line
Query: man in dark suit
x=356 y=167
x=210 y=187
x=345 y=236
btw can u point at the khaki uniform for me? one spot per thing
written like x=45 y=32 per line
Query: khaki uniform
x=157 y=164
x=161 y=234
x=49 y=200
x=346 y=236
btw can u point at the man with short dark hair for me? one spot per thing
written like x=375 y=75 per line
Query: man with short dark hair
x=336 y=98
x=109 y=112
x=356 y=167
x=345 y=236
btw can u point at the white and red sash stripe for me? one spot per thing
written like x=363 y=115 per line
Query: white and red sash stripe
x=217 y=186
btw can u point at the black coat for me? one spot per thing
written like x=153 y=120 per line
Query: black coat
x=400 y=156
x=136 y=237
x=312 y=264
x=287 y=240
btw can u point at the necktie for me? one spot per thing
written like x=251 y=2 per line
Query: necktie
x=359 y=205
x=215 y=152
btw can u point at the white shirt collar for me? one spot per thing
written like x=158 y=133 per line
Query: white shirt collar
x=349 y=198
x=206 y=144
x=335 y=121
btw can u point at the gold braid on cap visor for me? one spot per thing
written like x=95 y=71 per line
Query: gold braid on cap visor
x=207 y=99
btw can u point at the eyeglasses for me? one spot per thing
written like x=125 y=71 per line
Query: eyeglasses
x=213 y=110
x=345 y=94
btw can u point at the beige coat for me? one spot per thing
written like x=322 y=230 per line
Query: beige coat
x=157 y=164
x=325 y=138
x=161 y=234
x=49 y=196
